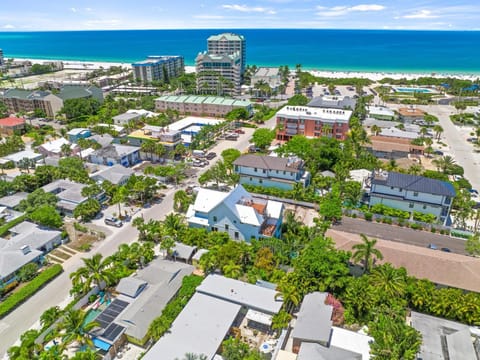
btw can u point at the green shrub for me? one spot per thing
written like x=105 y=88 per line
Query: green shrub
x=416 y=226
x=29 y=289
x=9 y=287
x=354 y=215
x=387 y=221
x=433 y=230
x=368 y=216
x=426 y=218
x=4 y=228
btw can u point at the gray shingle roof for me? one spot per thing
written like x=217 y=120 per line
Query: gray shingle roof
x=416 y=183
x=311 y=351
x=130 y=286
x=314 y=322
x=269 y=163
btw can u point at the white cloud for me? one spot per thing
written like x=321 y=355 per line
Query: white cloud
x=421 y=14
x=73 y=9
x=88 y=9
x=8 y=26
x=343 y=10
x=103 y=23
x=245 y=8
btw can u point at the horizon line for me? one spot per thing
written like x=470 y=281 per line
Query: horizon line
x=235 y=28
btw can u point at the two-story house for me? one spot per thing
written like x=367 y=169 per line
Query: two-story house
x=237 y=213
x=116 y=154
x=271 y=171
x=412 y=193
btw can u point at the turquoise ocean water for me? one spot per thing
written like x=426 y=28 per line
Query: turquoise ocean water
x=340 y=50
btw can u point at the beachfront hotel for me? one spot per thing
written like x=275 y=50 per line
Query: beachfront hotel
x=158 y=68
x=312 y=122
x=227 y=44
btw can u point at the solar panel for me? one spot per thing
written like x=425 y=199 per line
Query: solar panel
x=112 y=331
x=107 y=316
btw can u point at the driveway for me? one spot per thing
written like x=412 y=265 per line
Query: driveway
x=400 y=234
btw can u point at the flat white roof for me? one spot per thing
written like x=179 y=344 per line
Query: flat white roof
x=380 y=110
x=315 y=113
x=192 y=120
x=199 y=329
x=242 y=293
x=29 y=154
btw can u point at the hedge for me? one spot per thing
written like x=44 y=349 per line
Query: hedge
x=5 y=227
x=29 y=289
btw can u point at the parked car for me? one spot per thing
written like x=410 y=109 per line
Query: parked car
x=438 y=152
x=472 y=139
x=232 y=136
x=112 y=221
x=239 y=131
x=446 y=249
x=473 y=191
x=210 y=155
x=432 y=246
x=198 y=163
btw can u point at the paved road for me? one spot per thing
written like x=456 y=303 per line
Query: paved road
x=399 y=234
x=57 y=292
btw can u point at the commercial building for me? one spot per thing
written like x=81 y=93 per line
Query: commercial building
x=12 y=125
x=162 y=135
x=312 y=122
x=271 y=171
x=237 y=213
x=158 y=68
x=214 y=106
x=333 y=102
x=387 y=147
x=267 y=75
x=412 y=193
x=381 y=113
x=116 y=154
x=2 y=59
x=411 y=114
x=218 y=74
x=227 y=44
x=18 y=100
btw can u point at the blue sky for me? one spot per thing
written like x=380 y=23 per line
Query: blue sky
x=35 y=15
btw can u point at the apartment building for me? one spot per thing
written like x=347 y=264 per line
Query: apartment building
x=312 y=122
x=18 y=100
x=214 y=106
x=158 y=68
x=227 y=44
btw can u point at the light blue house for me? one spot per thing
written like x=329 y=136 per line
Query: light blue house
x=412 y=193
x=271 y=171
x=239 y=214
x=78 y=133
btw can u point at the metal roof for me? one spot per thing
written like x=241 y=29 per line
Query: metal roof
x=270 y=162
x=312 y=351
x=415 y=183
x=314 y=322
x=242 y=293
x=199 y=329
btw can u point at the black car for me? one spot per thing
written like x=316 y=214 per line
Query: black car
x=446 y=249
x=211 y=155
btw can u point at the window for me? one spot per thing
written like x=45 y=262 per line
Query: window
x=255 y=169
x=391 y=188
x=410 y=205
x=415 y=193
x=264 y=171
x=226 y=226
x=214 y=218
x=251 y=179
x=284 y=173
x=424 y=207
x=260 y=181
x=236 y=235
x=277 y=171
x=214 y=228
x=400 y=189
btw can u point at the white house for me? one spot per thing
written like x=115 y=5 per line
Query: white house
x=239 y=214
x=412 y=193
x=271 y=171
x=54 y=147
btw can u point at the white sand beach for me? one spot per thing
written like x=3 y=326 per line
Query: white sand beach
x=375 y=76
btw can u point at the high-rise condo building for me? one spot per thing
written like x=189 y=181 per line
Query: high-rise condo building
x=158 y=68
x=2 y=60
x=227 y=44
x=218 y=74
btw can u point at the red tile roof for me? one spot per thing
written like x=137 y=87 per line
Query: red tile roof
x=11 y=121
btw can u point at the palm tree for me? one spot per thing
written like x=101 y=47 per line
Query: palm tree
x=445 y=163
x=119 y=196
x=50 y=315
x=438 y=131
x=173 y=225
x=181 y=200
x=232 y=270
x=390 y=281
x=75 y=328
x=375 y=130
x=415 y=169
x=366 y=253
x=66 y=150
x=95 y=271
x=289 y=293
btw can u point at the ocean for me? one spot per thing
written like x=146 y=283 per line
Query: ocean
x=332 y=50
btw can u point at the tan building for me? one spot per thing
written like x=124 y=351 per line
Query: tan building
x=411 y=114
x=12 y=125
x=387 y=147
x=218 y=74
x=201 y=105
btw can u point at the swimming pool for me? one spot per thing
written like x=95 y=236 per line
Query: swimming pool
x=91 y=315
x=413 y=90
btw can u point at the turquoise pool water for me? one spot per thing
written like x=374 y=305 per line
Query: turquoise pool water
x=412 y=90
x=91 y=315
